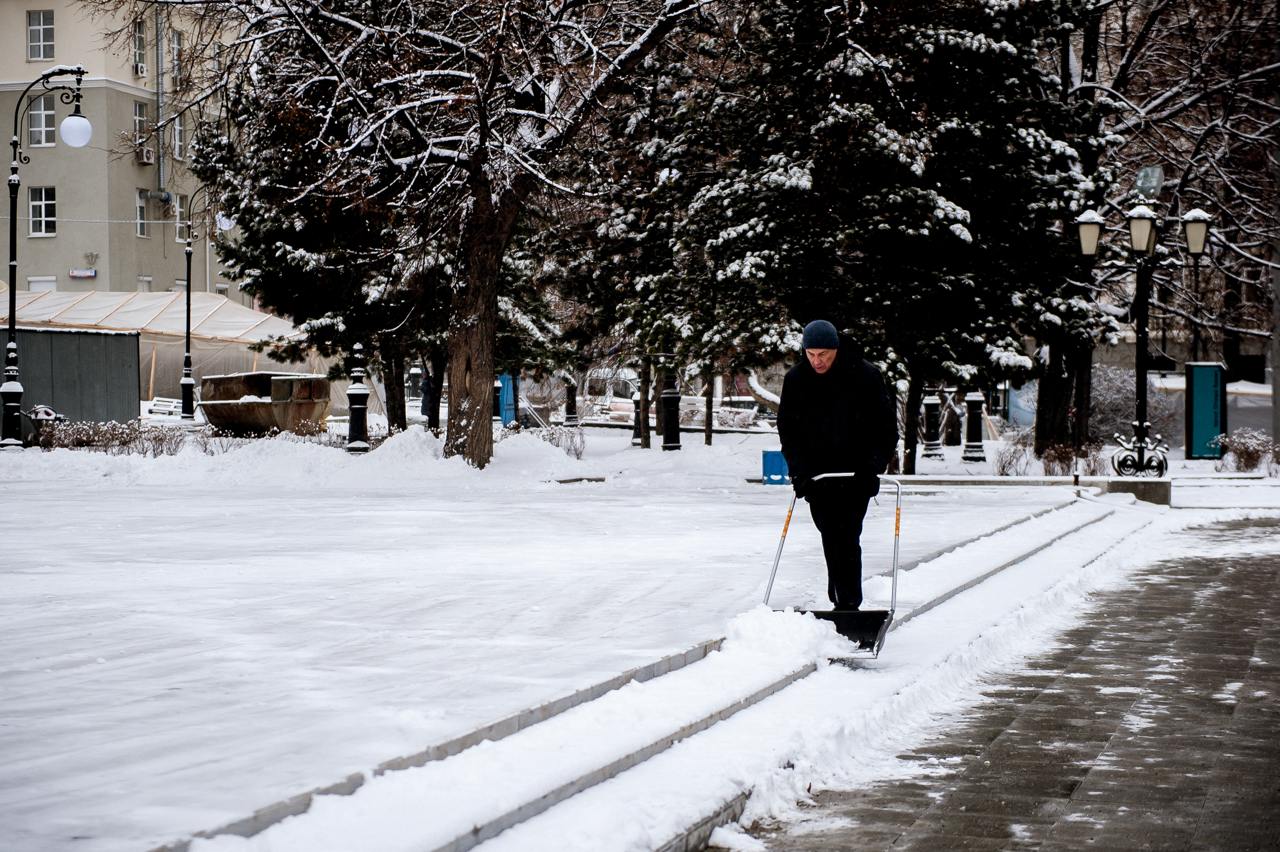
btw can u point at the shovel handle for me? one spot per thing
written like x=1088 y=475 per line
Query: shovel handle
x=897 y=529
x=778 y=556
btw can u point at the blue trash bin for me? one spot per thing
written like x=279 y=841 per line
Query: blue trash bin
x=774 y=466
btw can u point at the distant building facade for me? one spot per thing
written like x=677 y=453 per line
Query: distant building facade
x=113 y=215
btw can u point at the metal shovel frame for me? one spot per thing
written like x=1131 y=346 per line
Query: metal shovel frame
x=897 y=529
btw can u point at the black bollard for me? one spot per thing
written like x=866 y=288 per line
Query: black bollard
x=571 y=404
x=358 y=404
x=932 y=427
x=952 y=433
x=670 y=411
x=973 y=449
x=637 y=430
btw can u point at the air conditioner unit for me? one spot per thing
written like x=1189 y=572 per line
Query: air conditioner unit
x=145 y=156
x=139 y=69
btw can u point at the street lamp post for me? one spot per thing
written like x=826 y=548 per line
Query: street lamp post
x=75 y=131
x=1143 y=455
x=188 y=382
x=1195 y=227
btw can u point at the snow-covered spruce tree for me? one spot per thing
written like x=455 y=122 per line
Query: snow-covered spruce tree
x=621 y=247
x=870 y=188
x=449 y=114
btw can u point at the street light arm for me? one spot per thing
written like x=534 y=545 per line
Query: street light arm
x=43 y=80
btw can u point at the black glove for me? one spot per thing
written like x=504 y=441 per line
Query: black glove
x=801 y=484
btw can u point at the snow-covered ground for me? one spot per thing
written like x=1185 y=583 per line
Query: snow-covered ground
x=189 y=639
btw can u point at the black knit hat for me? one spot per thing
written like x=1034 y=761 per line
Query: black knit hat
x=820 y=334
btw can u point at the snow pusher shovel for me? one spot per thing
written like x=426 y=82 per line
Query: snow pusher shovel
x=866 y=627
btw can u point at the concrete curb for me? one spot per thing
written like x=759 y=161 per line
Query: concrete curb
x=494 y=827
x=964 y=587
x=265 y=817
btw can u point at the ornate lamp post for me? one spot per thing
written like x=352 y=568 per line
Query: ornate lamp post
x=1195 y=227
x=1143 y=455
x=75 y=131
x=188 y=383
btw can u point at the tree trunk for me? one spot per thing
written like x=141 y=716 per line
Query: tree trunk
x=655 y=395
x=911 y=423
x=710 y=380
x=646 y=385
x=1053 y=402
x=485 y=234
x=438 y=364
x=1082 y=368
x=1275 y=342
x=393 y=380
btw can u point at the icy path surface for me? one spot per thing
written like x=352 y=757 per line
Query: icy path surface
x=190 y=639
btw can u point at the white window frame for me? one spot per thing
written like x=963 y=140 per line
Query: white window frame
x=39 y=35
x=139 y=42
x=42 y=283
x=41 y=122
x=176 y=57
x=179 y=285
x=179 y=138
x=42 y=209
x=142 y=223
x=141 y=121
x=144 y=283
x=181 y=212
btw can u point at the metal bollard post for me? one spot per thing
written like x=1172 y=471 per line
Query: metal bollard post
x=973 y=449
x=637 y=437
x=358 y=404
x=571 y=404
x=670 y=412
x=932 y=427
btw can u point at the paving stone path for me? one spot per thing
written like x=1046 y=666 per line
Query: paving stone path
x=1156 y=725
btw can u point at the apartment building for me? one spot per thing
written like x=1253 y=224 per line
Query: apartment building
x=112 y=215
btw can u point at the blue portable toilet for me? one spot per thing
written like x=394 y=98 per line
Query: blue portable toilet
x=1206 y=408
x=774 y=468
x=507 y=399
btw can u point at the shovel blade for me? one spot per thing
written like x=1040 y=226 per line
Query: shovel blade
x=865 y=627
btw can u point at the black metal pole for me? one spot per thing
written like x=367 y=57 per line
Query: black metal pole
x=188 y=382
x=1195 y=289
x=358 y=405
x=11 y=389
x=1141 y=300
x=670 y=410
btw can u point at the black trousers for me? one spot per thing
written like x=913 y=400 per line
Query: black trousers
x=838 y=511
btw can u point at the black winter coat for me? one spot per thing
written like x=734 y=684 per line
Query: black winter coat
x=837 y=422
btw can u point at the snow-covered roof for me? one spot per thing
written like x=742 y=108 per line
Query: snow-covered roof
x=212 y=316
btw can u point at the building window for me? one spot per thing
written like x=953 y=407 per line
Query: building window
x=144 y=283
x=181 y=217
x=176 y=59
x=179 y=139
x=140 y=122
x=179 y=285
x=44 y=211
x=139 y=43
x=40 y=34
x=222 y=288
x=42 y=283
x=40 y=122
x=143 y=227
